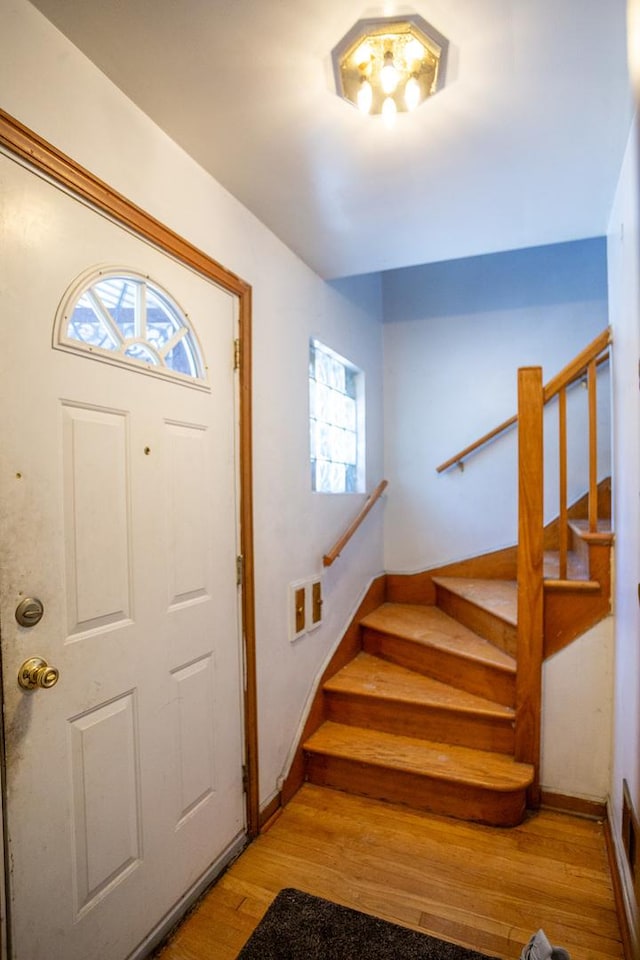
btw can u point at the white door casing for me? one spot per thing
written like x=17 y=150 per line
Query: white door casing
x=118 y=510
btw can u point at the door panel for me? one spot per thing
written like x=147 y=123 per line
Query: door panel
x=118 y=510
x=96 y=518
x=186 y=495
x=106 y=827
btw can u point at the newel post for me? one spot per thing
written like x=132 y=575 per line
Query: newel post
x=530 y=571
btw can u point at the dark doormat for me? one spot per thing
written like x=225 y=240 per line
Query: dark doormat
x=298 y=926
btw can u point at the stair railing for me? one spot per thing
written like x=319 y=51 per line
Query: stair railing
x=584 y=365
x=340 y=544
x=532 y=398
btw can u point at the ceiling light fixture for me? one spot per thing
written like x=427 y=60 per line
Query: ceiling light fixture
x=388 y=66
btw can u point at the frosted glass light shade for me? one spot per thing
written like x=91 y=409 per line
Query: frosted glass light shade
x=404 y=59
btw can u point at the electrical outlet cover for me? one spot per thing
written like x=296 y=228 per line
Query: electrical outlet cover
x=314 y=600
x=297 y=616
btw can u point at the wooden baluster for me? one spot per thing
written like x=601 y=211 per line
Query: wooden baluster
x=563 y=515
x=593 y=448
x=530 y=571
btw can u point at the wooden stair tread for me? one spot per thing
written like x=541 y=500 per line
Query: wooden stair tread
x=439 y=761
x=603 y=533
x=369 y=676
x=498 y=597
x=430 y=626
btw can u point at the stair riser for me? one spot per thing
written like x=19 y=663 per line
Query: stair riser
x=482 y=679
x=580 y=546
x=600 y=564
x=503 y=809
x=485 y=624
x=426 y=722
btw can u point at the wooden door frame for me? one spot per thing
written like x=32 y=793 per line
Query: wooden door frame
x=57 y=166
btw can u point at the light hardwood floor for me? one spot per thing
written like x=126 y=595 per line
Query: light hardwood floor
x=484 y=887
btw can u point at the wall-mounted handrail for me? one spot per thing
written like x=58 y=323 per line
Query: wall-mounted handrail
x=337 y=549
x=572 y=373
x=480 y=442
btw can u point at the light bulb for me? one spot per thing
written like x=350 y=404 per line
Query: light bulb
x=389 y=111
x=413 y=51
x=412 y=93
x=363 y=54
x=389 y=75
x=365 y=96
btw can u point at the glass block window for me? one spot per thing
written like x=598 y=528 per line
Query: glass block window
x=336 y=420
x=125 y=318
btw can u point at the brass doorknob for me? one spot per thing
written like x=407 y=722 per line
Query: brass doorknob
x=36 y=672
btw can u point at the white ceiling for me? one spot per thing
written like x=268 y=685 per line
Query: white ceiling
x=522 y=147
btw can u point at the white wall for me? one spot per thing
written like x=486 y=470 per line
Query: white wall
x=624 y=300
x=454 y=335
x=577 y=693
x=53 y=89
x=294 y=526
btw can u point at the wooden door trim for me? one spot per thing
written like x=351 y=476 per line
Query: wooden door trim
x=47 y=159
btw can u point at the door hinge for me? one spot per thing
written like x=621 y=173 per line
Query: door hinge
x=245 y=778
x=236 y=354
x=239 y=570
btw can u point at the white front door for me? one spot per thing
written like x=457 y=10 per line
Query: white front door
x=118 y=512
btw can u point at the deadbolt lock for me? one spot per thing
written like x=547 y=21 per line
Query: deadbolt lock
x=36 y=672
x=29 y=612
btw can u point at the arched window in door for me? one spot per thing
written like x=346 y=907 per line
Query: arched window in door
x=123 y=317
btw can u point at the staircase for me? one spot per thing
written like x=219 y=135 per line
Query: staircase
x=424 y=712
x=424 y=715
x=433 y=699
